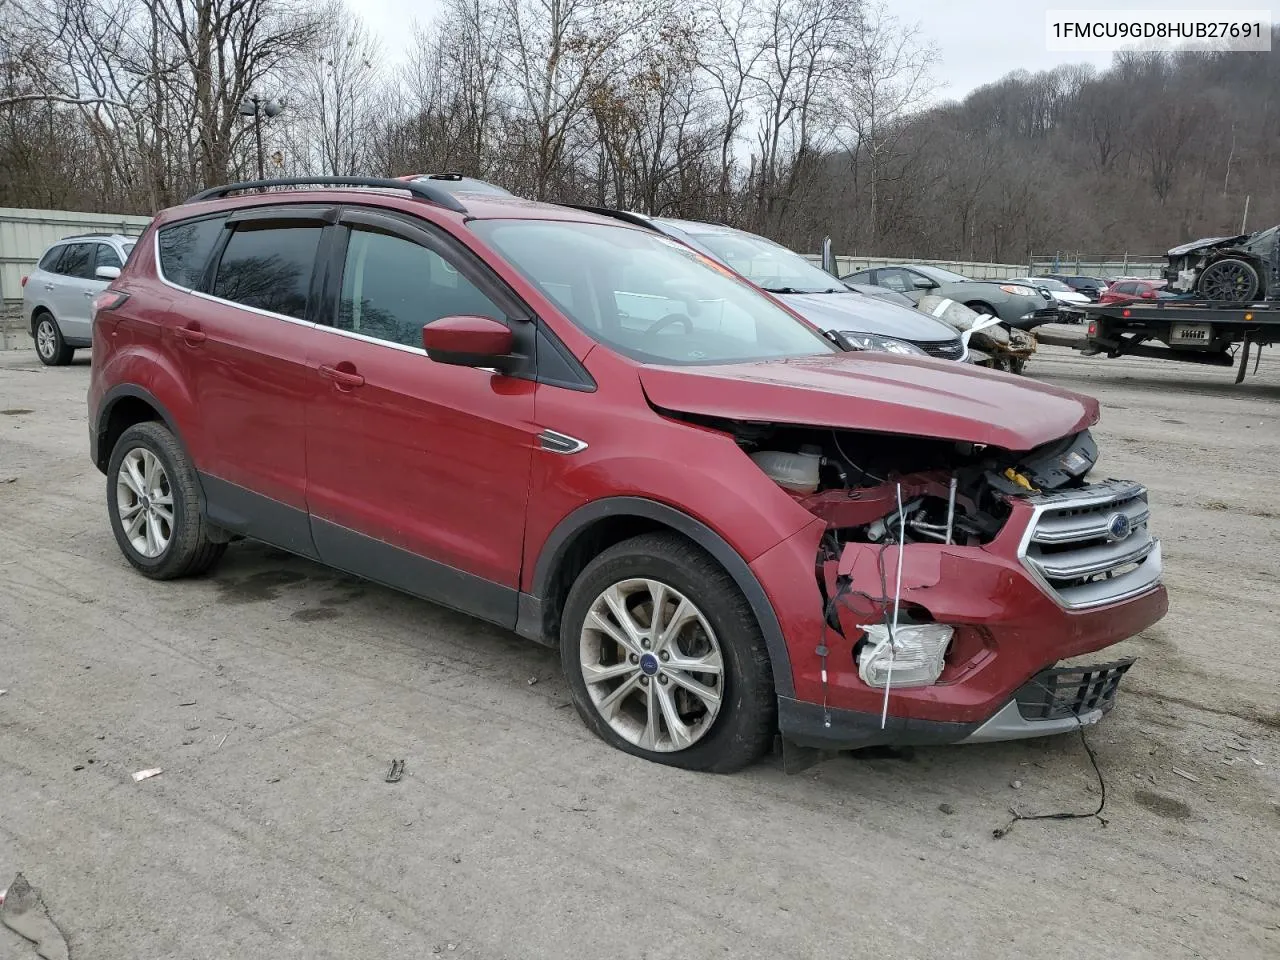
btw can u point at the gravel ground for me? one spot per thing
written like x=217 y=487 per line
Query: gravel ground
x=274 y=695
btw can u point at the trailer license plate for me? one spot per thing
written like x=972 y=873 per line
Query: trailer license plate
x=1187 y=333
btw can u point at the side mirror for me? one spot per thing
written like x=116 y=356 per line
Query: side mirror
x=922 y=283
x=468 y=342
x=1148 y=294
x=107 y=273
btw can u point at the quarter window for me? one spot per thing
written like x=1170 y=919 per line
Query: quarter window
x=185 y=249
x=49 y=261
x=269 y=268
x=393 y=287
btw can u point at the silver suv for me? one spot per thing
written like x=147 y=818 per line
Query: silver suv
x=57 y=294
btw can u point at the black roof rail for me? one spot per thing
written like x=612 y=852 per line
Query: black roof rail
x=421 y=189
x=635 y=219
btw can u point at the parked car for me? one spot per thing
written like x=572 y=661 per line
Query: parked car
x=470 y=399
x=1091 y=287
x=56 y=295
x=1061 y=292
x=1144 y=289
x=865 y=322
x=1017 y=305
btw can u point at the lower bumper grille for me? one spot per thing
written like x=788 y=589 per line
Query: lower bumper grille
x=1071 y=691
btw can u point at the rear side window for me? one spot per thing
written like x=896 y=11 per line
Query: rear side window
x=107 y=256
x=77 y=261
x=269 y=268
x=49 y=261
x=185 y=249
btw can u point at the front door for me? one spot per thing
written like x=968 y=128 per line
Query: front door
x=417 y=472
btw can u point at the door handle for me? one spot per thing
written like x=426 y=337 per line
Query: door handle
x=88 y=294
x=343 y=378
x=48 y=286
x=192 y=335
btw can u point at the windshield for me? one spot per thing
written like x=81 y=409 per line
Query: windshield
x=649 y=297
x=768 y=264
x=942 y=276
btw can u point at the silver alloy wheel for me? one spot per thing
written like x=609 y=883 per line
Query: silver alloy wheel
x=144 y=501
x=652 y=665
x=46 y=339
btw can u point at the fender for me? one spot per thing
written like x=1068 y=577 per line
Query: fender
x=558 y=541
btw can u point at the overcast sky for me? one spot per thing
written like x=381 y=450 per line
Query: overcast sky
x=978 y=41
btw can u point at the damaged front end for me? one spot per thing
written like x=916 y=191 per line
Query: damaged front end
x=1237 y=269
x=953 y=577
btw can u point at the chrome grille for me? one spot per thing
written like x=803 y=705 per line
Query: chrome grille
x=1090 y=546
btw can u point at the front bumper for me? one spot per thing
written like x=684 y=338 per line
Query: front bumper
x=1057 y=700
x=1035 y=317
x=1011 y=627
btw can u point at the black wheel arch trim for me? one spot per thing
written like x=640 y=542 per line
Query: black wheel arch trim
x=562 y=536
x=101 y=456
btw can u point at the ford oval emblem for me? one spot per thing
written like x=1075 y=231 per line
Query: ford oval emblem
x=1119 y=526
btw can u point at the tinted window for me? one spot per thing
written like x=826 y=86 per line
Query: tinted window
x=50 y=259
x=185 y=249
x=107 y=256
x=268 y=268
x=128 y=249
x=78 y=260
x=392 y=287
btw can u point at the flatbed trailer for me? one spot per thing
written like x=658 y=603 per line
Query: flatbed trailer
x=1193 y=331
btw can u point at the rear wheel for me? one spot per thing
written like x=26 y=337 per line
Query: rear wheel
x=153 y=499
x=51 y=348
x=665 y=659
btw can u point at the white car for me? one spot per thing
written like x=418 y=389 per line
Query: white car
x=1060 y=291
x=57 y=294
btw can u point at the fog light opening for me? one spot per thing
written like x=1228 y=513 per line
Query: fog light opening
x=915 y=657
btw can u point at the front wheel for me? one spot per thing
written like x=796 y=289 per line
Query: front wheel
x=665 y=659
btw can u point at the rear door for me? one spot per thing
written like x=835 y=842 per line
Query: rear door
x=241 y=341
x=74 y=288
x=417 y=472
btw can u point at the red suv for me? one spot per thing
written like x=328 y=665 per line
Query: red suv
x=593 y=435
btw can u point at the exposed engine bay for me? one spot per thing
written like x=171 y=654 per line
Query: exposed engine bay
x=1228 y=269
x=952 y=492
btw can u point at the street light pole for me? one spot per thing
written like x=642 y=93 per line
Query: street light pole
x=254 y=106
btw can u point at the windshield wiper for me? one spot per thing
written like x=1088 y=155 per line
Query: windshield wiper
x=798 y=290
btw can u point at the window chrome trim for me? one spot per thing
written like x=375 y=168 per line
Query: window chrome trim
x=368 y=339
x=244 y=306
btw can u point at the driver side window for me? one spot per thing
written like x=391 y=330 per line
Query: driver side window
x=393 y=287
x=894 y=278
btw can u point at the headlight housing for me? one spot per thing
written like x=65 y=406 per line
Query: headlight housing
x=1018 y=290
x=873 y=341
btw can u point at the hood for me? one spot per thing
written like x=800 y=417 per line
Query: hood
x=1063 y=296
x=859 y=313
x=880 y=393
x=1205 y=244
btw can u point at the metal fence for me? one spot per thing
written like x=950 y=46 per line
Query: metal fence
x=1105 y=266
x=26 y=234
x=975 y=270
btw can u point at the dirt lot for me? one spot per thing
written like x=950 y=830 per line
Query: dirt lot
x=274 y=695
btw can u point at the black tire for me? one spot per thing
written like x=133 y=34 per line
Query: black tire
x=44 y=329
x=189 y=550
x=1229 y=280
x=742 y=731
